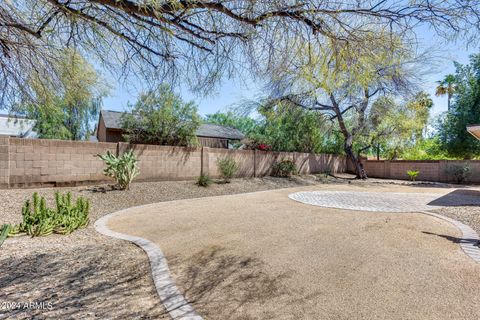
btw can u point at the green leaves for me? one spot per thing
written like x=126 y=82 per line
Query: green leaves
x=412 y=174
x=162 y=117
x=39 y=220
x=65 y=110
x=465 y=110
x=228 y=167
x=396 y=127
x=284 y=169
x=204 y=180
x=4 y=230
x=123 y=168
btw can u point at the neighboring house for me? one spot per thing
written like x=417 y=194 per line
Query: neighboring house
x=16 y=126
x=109 y=129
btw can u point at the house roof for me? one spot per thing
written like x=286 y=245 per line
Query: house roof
x=209 y=130
x=16 y=126
x=474 y=130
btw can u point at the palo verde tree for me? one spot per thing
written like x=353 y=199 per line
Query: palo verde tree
x=342 y=82
x=200 y=41
x=395 y=126
x=65 y=111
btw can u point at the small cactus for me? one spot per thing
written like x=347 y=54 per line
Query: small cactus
x=39 y=220
x=4 y=230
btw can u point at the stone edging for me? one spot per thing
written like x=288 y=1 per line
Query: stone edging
x=468 y=242
x=173 y=300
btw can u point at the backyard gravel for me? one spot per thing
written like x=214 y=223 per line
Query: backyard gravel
x=469 y=215
x=86 y=275
x=264 y=256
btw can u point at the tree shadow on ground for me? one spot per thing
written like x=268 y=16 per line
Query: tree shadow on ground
x=89 y=282
x=459 y=197
x=223 y=285
x=454 y=239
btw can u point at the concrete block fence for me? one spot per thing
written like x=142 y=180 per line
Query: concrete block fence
x=39 y=162
x=434 y=170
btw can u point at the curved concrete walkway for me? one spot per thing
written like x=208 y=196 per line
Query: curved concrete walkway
x=261 y=255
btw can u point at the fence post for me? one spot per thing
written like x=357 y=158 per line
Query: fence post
x=386 y=169
x=204 y=166
x=121 y=148
x=5 y=162
x=441 y=171
x=255 y=163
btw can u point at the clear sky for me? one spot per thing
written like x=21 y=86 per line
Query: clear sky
x=233 y=91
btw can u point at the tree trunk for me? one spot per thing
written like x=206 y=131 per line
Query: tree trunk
x=355 y=159
x=348 y=136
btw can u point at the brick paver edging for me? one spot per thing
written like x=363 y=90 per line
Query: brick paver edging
x=171 y=297
x=469 y=241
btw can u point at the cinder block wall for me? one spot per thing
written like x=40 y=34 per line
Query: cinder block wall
x=165 y=162
x=53 y=162
x=245 y=160
x=38 y=162
x=435 y=170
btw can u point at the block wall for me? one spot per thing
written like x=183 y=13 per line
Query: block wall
x=39 y=162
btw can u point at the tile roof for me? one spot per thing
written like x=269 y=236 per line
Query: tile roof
x=209 y=130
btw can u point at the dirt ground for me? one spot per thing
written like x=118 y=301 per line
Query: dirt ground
x=86 y=275
x=263 y=256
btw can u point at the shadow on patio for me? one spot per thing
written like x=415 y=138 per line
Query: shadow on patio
x=459 y=197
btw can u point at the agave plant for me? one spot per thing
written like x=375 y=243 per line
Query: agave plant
x=123 y=168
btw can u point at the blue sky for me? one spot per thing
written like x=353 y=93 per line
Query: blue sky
x=233 y=91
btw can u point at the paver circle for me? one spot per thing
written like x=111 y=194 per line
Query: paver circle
x=379 y=201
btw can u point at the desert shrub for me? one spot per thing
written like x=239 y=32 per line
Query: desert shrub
x=228 y=167
x=285 y=168
x=204 y=180
x=160 y=116
x=460 y=172
x=39 y=220
x=4 y=230
x=123 y=168
x=412 y=174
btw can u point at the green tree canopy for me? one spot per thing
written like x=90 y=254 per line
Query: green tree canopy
x=395 y=126
x=246 y=124
x=284 y=127
x=161 y=117
x=342 y=82
x=446 y=87
x=67 y=110
x=465 y=110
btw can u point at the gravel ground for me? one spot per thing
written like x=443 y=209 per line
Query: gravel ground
x=86 y=275
x=89 y=276
x=468 y=215
x=263 y=256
